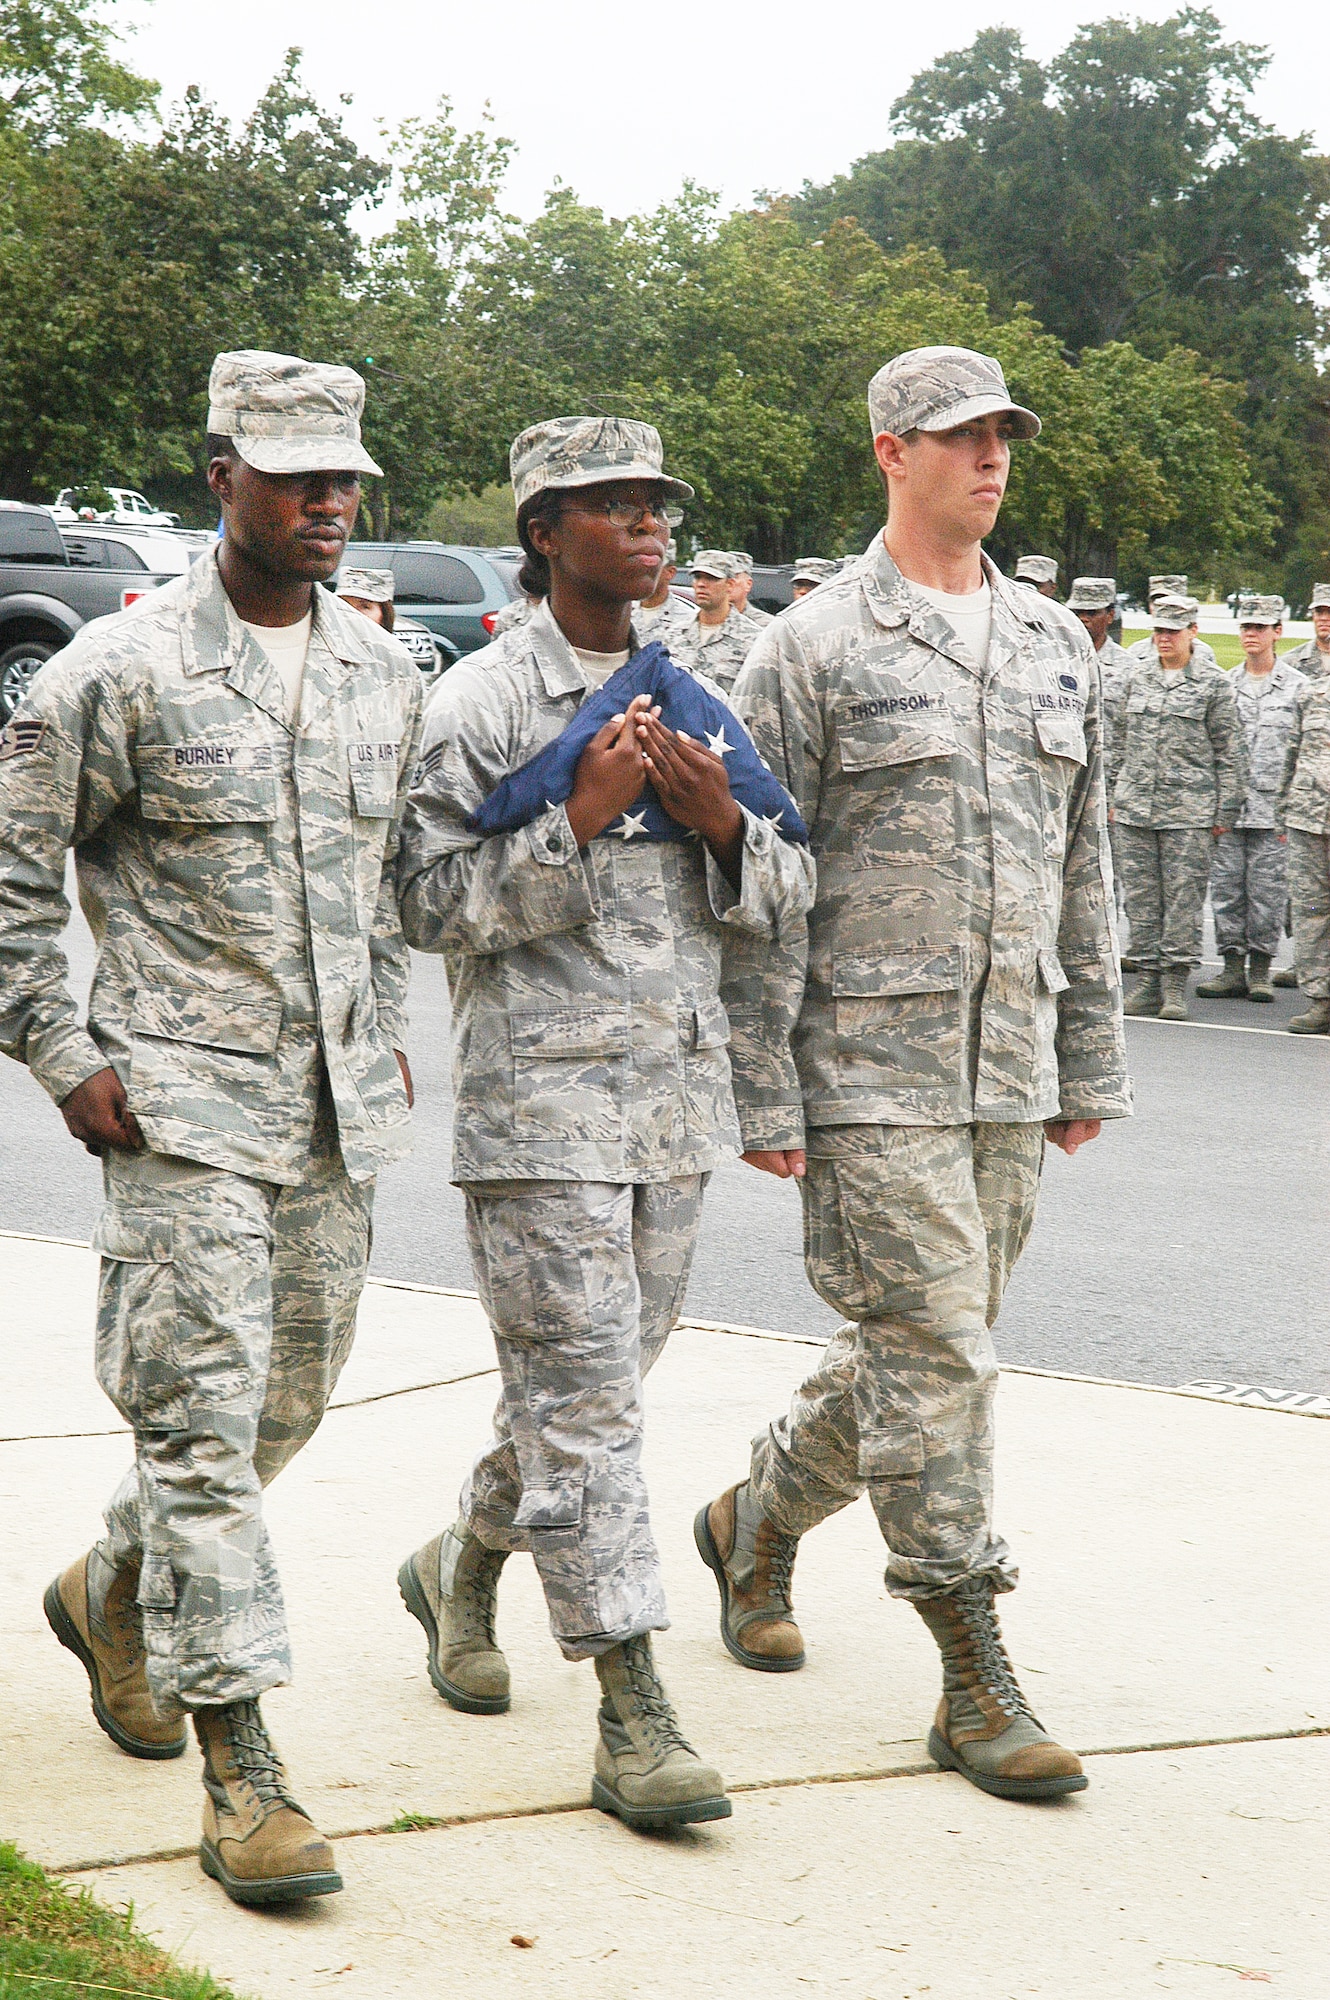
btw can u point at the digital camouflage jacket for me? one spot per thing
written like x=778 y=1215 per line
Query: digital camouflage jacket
x=589 y=1040
x=238 y=878
x=962 y=963
x=1176 y=750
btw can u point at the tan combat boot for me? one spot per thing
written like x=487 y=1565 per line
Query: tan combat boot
x=452 y=1587
x=1316 y=1020
x=91 y=1610
x=256 y=1840
x=645 y=1771
x=1288 y=977
x=1145 y=996
x=1174 y=987
x=1259 y=984
x=752 y=1562
x=984 y=1727
x=1231 y=983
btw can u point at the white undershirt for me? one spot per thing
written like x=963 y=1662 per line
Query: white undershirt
x=1257 y=684
x=286 y=646
x=970 y=618
x=599 y=666
x=1171 y=674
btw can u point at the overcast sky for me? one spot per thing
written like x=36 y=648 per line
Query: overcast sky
x=623 y=107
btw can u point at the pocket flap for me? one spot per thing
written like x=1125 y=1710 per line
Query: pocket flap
x=874 y=745
x=711 y=1025
x=206 y=782
x=142 y=1240
x=1050 y=971
x=892 y=1451
x=885 y=973
x=373 y=769
x=247 y=1022
x=1061 y=736
x=568 y=1031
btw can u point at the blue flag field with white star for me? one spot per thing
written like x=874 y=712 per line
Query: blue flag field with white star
x=684 y=705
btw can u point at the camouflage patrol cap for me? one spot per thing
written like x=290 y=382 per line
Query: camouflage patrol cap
x=1037 y=569
x=672 y=551
x=373 y=586
x=1093 y=593
x=1320 y=596
x=588 y=451
x=1166 y=586
x=288 y=415
x=814 y=569
x=743 y=562
x=1256 y=609
x=936 y=388
x=1173 y=614
x=714 y=562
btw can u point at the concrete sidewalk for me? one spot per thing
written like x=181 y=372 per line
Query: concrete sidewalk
x=1170 y=1625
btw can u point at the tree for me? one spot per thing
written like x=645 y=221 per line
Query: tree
x=1125 y=191
x=59 y=70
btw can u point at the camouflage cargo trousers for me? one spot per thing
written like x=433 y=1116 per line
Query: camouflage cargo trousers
x=582 y=1281
x=1309 y=895
x=1165 y=873
x=1249 y=889
x=910 y=1231
x=226 y=1310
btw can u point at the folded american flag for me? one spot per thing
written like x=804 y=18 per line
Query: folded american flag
x=684 y=704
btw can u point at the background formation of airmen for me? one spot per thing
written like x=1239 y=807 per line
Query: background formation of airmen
x=894 y=987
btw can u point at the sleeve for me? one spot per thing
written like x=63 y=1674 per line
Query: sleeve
x=776 y=886
x=456 y=888
x=389 y=961
x=1091 y=1044
x=1229 y=739
x=762 y=977
x=65 y=765
x=1289 y=771
x=1114 y=712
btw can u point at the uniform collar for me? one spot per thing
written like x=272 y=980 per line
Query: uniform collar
x=560 y=669
x=213 y=639
x=893 y=602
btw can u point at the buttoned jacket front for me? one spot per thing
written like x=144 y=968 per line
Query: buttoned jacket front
x=589 y=1039
x=1177 y=753
x=961 y=958
x=1268 y=722
x=237 y=874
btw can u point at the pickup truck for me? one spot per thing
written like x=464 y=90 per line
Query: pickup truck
x=51 y=584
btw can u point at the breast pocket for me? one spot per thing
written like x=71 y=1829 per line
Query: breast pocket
x=570 y=1070
x=207 y=809
x=898 y=1019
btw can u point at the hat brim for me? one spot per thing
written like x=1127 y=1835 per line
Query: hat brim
x=613 y=475
x=1171 y=624
x=315 y=454
x=1027 y=424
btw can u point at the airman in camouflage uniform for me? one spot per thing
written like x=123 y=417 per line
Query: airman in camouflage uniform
x=1302 y=809
x=513 y=616
x=592 y=1098
x=662 y=615
x=809 y=572
x=1040 y=572
x=741 y=589
x=1172 y=586
x=234 y=828
x=1312 y=657
x=1094 y=599
x=962 y=989
x=718 y=650
x=1249 y=875
x=1177 y=778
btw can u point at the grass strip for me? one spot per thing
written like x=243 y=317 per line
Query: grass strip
x=62 y=1944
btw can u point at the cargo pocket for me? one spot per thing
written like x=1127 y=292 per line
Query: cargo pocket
x=708 y=1103
x=898 y=1018
x=569 y=1073
x=138 y=1360
x=889 y=1450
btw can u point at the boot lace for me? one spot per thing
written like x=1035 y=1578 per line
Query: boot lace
x=988 y=1652
x=478 y=1586
x=784 y=1549
x=254 y=1757
x=651 y=1704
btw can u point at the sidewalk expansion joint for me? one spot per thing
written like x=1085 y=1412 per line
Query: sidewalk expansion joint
x=919 y=1766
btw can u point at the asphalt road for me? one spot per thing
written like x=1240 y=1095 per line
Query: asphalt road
x=1189 y=1242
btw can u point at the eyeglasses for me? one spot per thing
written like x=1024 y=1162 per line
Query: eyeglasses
x=627 y=513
